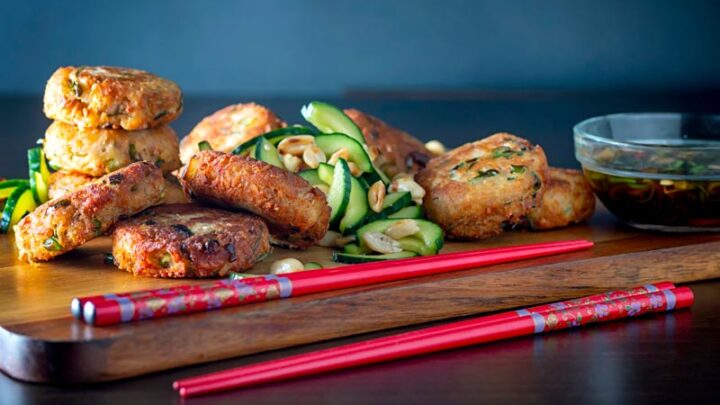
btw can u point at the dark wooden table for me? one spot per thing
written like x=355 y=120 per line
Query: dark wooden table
x=663 y=358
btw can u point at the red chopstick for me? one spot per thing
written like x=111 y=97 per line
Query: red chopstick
x=115 y=308
x=78 y=303
x=390 y=340
x=454 y=335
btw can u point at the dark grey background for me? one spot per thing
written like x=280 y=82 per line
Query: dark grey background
x=325 y=47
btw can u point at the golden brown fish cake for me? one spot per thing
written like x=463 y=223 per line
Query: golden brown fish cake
x=296 y=212
x=63 y=182
x=97 y=152
x=111 y=97
x=174 y=193
x=398 y=151
x=62 y=224
x=229 y=127
x=473 y=191
x=186 y=240
x=567 y=199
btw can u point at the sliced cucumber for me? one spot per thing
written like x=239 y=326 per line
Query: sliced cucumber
x=8 y=186
x=355 y=249
x=19 y=203
x=312 y=266
x=325 y=172
x=331 y=143
x=357 y=208
x=411 y=212
x=274 y=137
x=39 y=174
x=351 y=258
x=277 y=135
x=340 y=187
x=330 y=119
x=246 y=148
x=311 y=176
x=430 y=234
x=394 y=202
x=204 y=145
x=267 y=152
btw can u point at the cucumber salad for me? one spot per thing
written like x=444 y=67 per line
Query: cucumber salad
x=372 y=217
x=22 y=196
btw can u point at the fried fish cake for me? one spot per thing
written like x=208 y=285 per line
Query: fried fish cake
x=568 y=199
x=97 y=152
x=63 y=182
x=62 y=224
x=476 y=189
x=296 y=212
x=186 y=240
x=111 y=97
x=229 y=127
x=398 y=151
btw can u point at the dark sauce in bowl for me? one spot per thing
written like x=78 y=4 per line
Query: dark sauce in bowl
x=659 y=204
x=658 y=171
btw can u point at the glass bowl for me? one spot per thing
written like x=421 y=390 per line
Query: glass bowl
x=656 y=171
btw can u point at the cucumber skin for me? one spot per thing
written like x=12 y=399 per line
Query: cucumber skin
x=14 y=183
x=34 y=156
x=341 y=175
x=357 y=206
x=399 y=204
x=10 y=203
x=353 y=259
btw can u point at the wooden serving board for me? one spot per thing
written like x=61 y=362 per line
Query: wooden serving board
x=41 y=342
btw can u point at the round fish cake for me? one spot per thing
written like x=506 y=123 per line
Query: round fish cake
x=398 y=151
x=185 y=240
x=63 y=182
x=62 y=224
x=229 y=127
x=296 y=212
x=568 y=199
x=111 y=97
x=97 y=152
x=473 y=191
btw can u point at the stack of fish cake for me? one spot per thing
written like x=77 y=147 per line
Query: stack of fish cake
x=106 y=118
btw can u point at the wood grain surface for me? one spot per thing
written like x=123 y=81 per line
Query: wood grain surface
x=40 y=342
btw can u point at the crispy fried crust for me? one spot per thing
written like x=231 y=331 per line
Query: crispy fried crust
x=568 y=199
x=229 y=127
x=63 y=182
x=62 y=224
x=111 y=97
x=97 y=152
x=185 y=240
x=399 y=152
x=296 y=212
x=476 y=189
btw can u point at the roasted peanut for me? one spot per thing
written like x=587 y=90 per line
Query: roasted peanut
x=381 y=243
x=313 y=156
x=288 y=265
x=402 y=228
x=376 y=196
x=295 y=145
